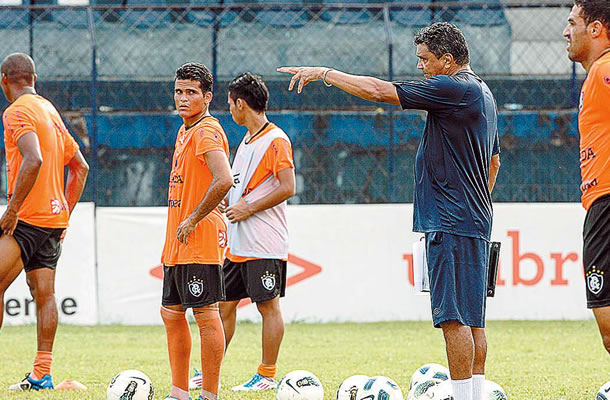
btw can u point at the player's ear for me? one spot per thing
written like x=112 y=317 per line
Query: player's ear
x=34 y=80
x=447 y=60
x=595 y=28
x=208 y=97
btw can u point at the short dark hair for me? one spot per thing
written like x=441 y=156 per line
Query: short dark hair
x=196 y=72
x=595 y=10
x=252 y=89
x=19 y=66
x=442 y=38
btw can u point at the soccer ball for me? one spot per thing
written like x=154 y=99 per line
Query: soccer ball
x=130 y=384
x=427 y=372
x=300 y=385
x=604 y=392
x=349 y=388
x=424 y=390
x=379 y=388
x=442 y=391
x=493 y=391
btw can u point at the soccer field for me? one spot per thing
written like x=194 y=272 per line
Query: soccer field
x=531 y=360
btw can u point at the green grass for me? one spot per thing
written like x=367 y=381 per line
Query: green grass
x=531 y=360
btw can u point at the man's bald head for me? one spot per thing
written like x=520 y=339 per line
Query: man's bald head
x=17 y=67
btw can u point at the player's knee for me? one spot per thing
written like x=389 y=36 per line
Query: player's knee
x=269 y=307
x=206 y=313
x=170 y=314
x=227 y=310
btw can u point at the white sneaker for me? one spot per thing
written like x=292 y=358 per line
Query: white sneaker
x=256 y=384
x=195 y=381
x=30 y=384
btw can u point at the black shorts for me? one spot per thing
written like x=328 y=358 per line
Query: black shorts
x=260 y=280
x=596 y=253
x=192 y=285
x=40 y=247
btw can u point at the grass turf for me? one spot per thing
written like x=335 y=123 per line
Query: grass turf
x=550 y=360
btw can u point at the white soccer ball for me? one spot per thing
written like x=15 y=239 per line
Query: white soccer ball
x=300 y=385
x=427 y=372
x=130 y=384
x=379 y=388
x=493 y=391
x=603 y=393
x=424 y=390
x=442 y=391
x=349 y=388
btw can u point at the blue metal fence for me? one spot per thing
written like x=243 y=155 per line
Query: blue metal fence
x=109 y=68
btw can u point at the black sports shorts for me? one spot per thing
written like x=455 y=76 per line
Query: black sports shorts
x=40 y=247
x=596 y=253
x=260 y=280
x=192 y=285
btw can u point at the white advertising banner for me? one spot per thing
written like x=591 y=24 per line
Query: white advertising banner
x=75 y=279
x=130 y=241
x=355 y=263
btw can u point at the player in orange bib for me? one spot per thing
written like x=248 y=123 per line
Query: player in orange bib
x=196 y=234
x=37 y=146
x=255 y=265
x=588 y=35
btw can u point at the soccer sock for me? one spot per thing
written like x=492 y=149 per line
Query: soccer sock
x=478 y=385
x=462 y=389
x=268 y=371
x=178 y=346
x=205 y=395
x=179 y=394
x=42 y=365
x=212 y=347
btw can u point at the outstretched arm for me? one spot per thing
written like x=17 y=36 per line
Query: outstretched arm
x=242 y=210
x=365 y=87
x=29 y=147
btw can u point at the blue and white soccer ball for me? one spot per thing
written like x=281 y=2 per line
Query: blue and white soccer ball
x=425 y=390
x=379 y=388
x=349 y=388
x=130 y=384
x=428 y=372
x=300 y=385
x=604 y=392
x=493 y=391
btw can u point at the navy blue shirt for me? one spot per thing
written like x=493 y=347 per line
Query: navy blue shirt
x=454 y=155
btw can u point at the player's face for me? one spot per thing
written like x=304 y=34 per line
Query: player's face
x=427 y=62
x=190 y=99
x=236 y=113
x=576 y=34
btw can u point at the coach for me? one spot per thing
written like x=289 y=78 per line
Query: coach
x=455 y=170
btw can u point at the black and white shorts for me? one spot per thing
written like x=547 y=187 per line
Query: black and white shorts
x=260 y=280
x=192 y=285
x=596 y=253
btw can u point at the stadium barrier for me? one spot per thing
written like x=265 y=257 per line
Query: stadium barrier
x=347 y=263
x=109 y=69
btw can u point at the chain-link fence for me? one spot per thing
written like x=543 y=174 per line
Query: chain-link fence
x=109 y=69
